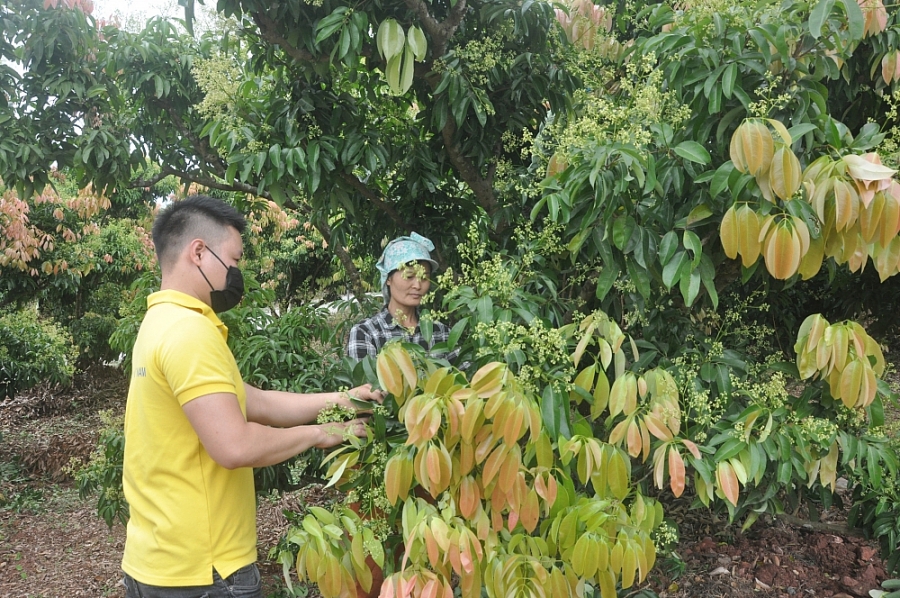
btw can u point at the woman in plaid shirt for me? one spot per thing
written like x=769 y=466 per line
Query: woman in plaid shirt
x=405 y=267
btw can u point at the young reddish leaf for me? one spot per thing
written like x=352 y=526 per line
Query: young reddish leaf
x=633 y=441
x=748 y=235
x=493 y=463
x=389 y=376
x=676 y=472
x=657 y=428
x=469 y=497
x=509 y=470
x=513 y=429
x=531 y=512
x=659 y=466
x=728 y=482
x=645 y=440
x=488 y=380
x=691 y=447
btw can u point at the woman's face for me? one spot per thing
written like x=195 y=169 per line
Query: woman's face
x=409 y=284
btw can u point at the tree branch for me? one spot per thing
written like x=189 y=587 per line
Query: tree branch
x=484 y=192
x=837 y=529
x=375 y=199
x=324 y=229
x=200 y=144
x=268 y=29
x=440 y=32
x=346 y=260
x=149 y=182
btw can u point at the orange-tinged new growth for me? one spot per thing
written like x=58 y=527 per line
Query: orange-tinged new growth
x=748 y=230
x=890 y=216
x=728 y=482
x=890 y=67
x=752 y=147
x=869 y=174
x=846 y=205
x=676 y=471
x=870 y=218
x=785 y=173
x=875 y=15
x=782 y=250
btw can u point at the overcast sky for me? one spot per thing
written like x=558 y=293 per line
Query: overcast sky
x=140 y=8
x=132 y=14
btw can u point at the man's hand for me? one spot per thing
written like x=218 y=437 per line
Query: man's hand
x=365 y=393
x=333 y=433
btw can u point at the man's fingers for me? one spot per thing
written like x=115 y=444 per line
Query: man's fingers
x=366 y=393
x=358 y=427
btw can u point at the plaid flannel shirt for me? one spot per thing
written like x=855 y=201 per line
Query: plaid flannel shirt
x=370 y=335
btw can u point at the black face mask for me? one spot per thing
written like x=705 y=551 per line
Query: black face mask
x=232 y=293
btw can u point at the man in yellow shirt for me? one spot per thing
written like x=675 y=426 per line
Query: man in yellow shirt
x=193 y=429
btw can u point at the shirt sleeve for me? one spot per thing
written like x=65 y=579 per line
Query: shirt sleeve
x=196 y=361
x=441 y=334
x=360 y=343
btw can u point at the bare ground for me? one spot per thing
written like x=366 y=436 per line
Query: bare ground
x=52 y=544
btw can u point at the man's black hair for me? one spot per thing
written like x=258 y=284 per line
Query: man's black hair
x=197 y=216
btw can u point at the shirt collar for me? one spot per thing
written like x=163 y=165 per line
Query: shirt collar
x=391 y=323
x=184 y=300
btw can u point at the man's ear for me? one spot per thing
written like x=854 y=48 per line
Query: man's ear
x=195 y=251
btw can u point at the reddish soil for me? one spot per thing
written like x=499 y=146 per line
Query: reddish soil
x=781 y=560
x=53 y=545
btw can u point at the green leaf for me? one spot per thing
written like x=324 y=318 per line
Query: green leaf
x=857 y=22
x=327 y=26
x=640 y=278
x=550 y=411
x=693 y=152
x=690 y=287
x=427 y=327
x=667 y=247
x=818 y=16
x=699 y=214
x=692 y=241
x=416 y=40
x=675 y=268
x=406 y=75
x=277 y=194
x=728 y=79
x=798 y=131
x=622 y=229
x=729 y=449
x=485 y=308
x=456 y=332
x=390 y=40
x=720 y=180
x=608 y=276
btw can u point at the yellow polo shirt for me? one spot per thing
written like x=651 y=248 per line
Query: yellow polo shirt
x=188 y=513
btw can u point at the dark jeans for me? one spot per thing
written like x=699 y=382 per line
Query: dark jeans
x=243 y=583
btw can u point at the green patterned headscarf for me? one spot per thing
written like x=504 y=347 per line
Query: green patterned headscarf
x=400 y=251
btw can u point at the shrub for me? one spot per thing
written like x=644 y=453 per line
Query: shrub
x=33 y=350
x=102 y=474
